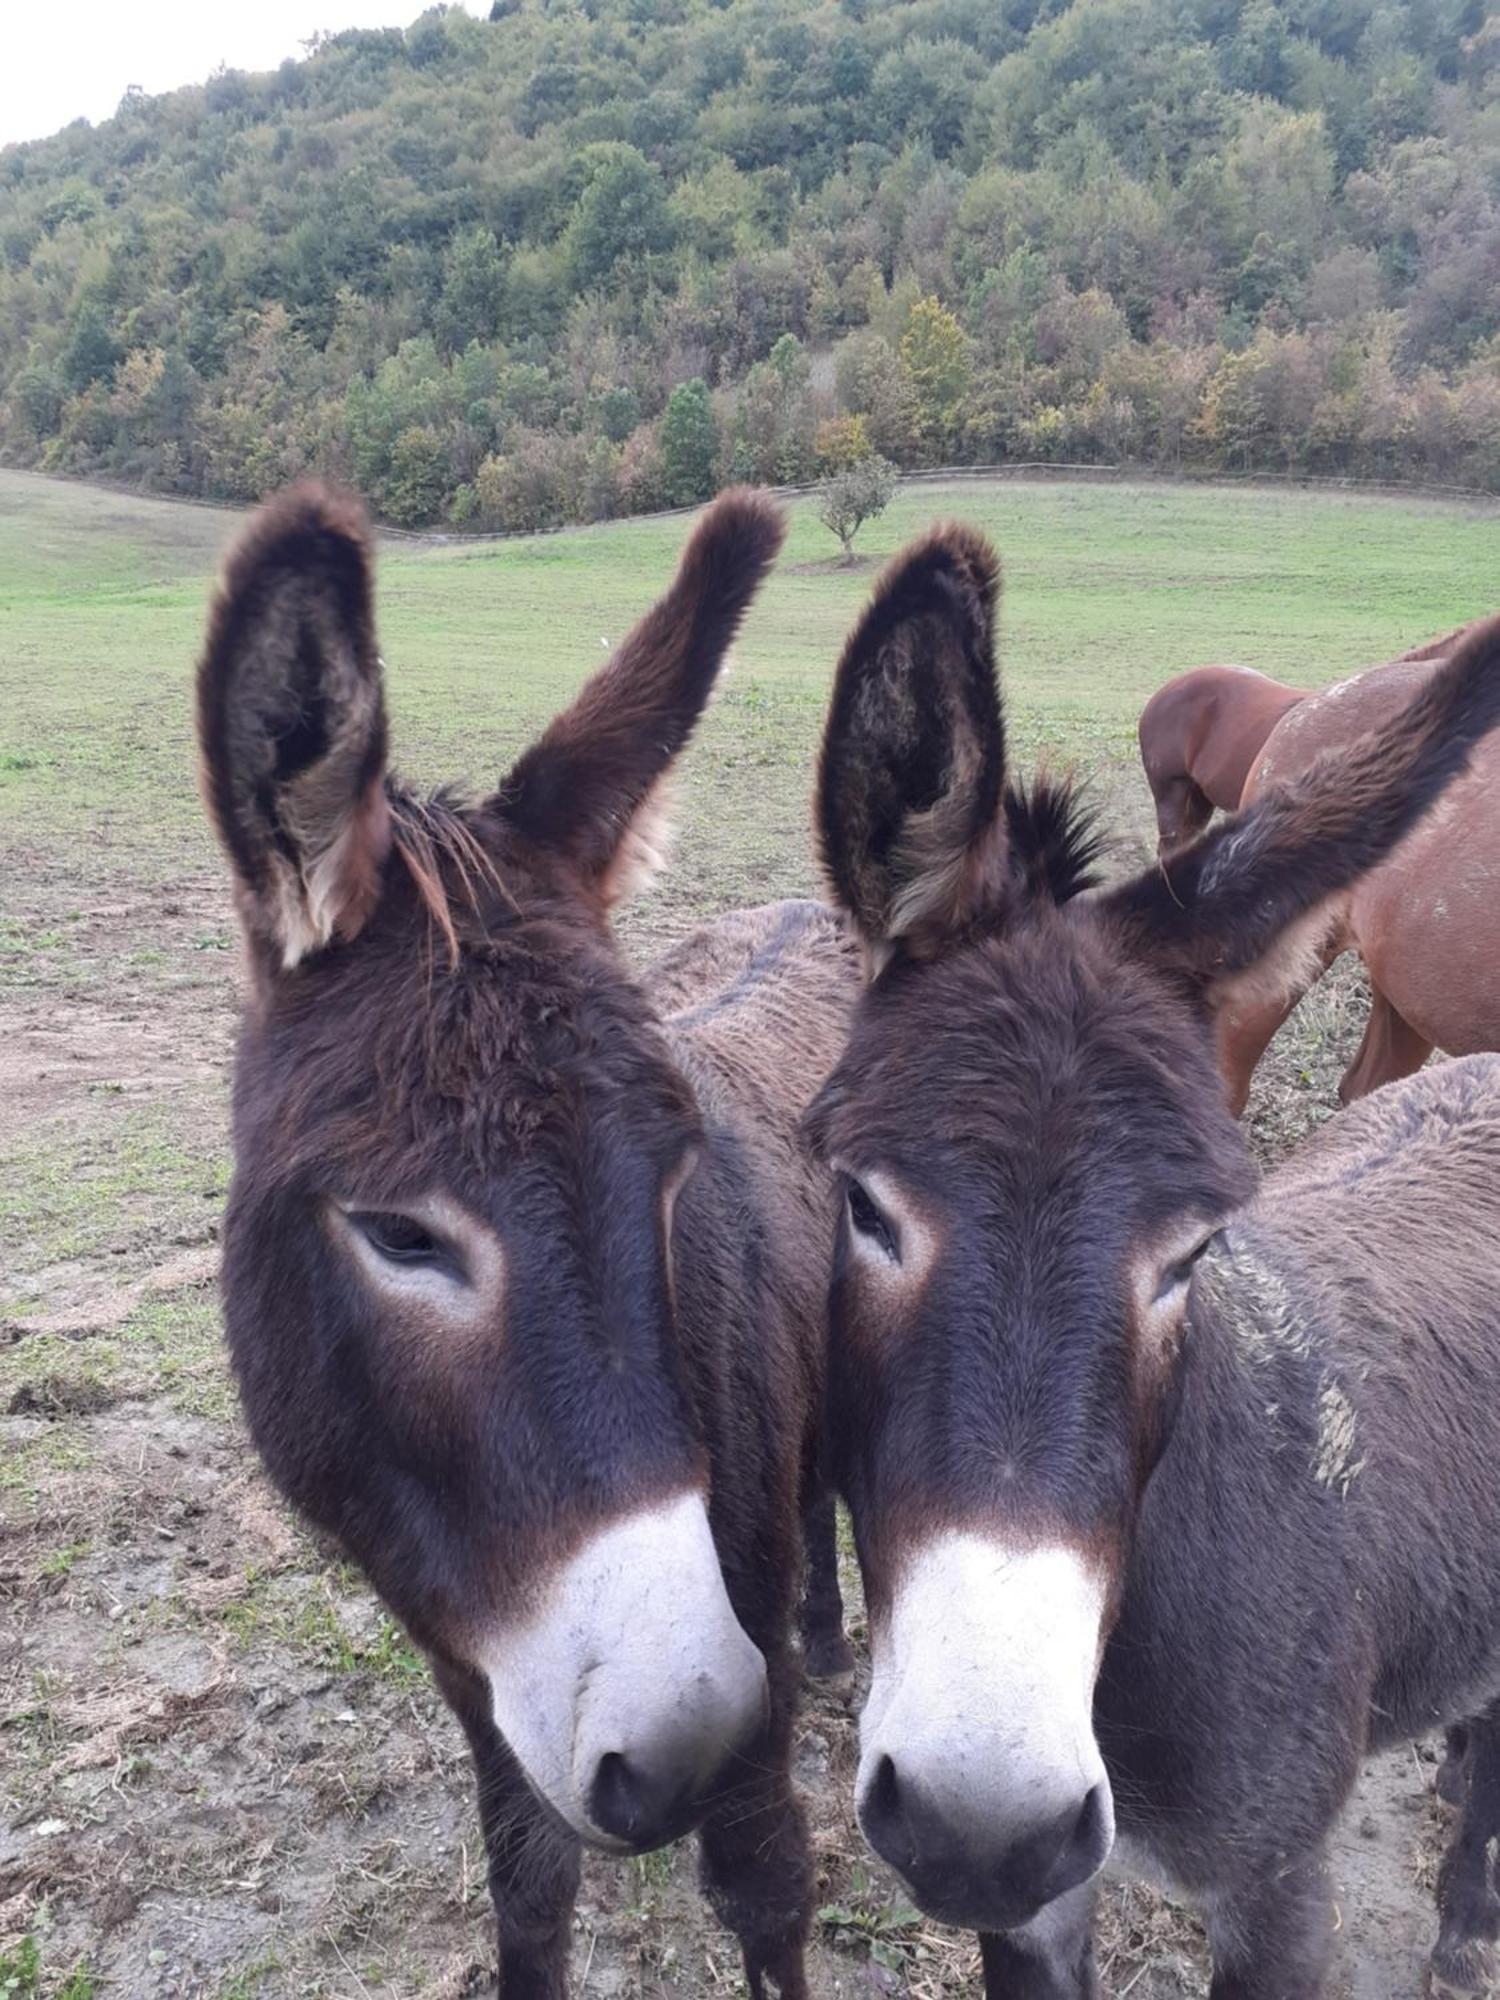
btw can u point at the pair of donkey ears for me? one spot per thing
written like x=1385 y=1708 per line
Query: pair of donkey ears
x=292 y=727
x=921 y=837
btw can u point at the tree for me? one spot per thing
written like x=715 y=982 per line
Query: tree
x=856 y=495
x=620 y=217
x=92 y=350
x=938 y=358
x=689 y=444
x=842 y=442
x=473 y=290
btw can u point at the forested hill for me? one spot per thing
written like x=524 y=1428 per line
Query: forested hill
x=593 y=256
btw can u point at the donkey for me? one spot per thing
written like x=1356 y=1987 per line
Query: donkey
x=525 y=1272
x=1172 y=1500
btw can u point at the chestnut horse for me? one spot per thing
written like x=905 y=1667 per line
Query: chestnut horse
x=525 y=1265
x=1199 y=734
x=1173 y=1500
x=1426 y=922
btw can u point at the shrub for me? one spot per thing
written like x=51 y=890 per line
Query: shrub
x=856 y=495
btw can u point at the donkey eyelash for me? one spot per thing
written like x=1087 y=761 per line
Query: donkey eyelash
x=402 y=1240
x=866 y=1218
x=1178 y=1275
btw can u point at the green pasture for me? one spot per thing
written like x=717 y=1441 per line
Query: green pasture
x=1109 y=588
x=118 y=981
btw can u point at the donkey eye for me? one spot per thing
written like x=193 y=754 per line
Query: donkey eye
x=868 y=1221
x=1177 y=1277
x=398 y=1238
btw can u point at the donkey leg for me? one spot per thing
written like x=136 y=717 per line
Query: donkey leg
x=1391 y=1048
x=533 y=1858
x=1051 y=1958
x=1272 y=1938
x=1452 y=1781
x=825 y=1650
x=533 y=1870
x=1466 y=1960
x=756 y=1862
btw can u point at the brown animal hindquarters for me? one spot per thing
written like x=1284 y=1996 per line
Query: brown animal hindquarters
x=1199 y=735
x=1426 y=922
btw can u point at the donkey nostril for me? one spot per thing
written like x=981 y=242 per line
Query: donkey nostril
x=885 y=1792
x=1089 y=1829
x=617 y=1801
x=884 y=1816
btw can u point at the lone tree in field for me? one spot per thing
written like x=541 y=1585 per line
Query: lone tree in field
x=856 y=495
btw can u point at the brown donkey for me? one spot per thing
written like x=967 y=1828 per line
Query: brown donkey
x=1172 y=1500
x=525 y=1268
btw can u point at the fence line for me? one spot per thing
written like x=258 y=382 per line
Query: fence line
x=1040 y=469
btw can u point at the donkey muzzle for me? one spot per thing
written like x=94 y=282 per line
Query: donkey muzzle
x=980 y=1781
x=629 y=1692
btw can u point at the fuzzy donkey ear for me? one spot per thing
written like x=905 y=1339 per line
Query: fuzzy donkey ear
x=1220 y=907
x=913 y=766
x=291 y=724
x=591 y=788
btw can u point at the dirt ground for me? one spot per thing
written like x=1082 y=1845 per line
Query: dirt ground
x=222 y=1771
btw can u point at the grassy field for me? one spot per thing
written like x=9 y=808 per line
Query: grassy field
x=221 y=1770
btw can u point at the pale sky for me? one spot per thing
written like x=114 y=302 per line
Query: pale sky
x=67 y=59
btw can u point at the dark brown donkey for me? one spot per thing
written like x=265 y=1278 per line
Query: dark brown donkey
x=1172 y=1500
x=525 y=1269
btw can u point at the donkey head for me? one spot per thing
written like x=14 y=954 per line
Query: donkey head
x=1036 y=1150
x=459 y=1138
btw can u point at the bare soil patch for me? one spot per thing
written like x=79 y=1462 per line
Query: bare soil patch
x=223 y=1773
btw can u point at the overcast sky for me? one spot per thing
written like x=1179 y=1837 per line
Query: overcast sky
x=77 y=59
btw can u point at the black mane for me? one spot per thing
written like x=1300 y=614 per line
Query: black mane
x=1056 y=841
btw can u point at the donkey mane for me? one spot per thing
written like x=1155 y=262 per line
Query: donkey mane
x=1056 y=840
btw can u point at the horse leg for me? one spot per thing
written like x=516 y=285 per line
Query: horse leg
x=1182 y=812
x=1245 y=1033
x=1272 y=1938
x=1051 y=1958
x=533 y=1859
x=1466 y=1960
x=756 y=1862
x=1391 y=1048
x=825 y=1650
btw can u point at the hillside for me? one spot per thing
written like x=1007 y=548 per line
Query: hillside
x=586 y=259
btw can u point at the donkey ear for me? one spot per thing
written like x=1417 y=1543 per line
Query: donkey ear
x=590 y=788
x=1223 y=905
x=291 y=724
x=913 y=764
